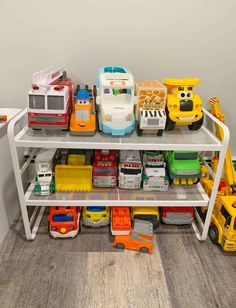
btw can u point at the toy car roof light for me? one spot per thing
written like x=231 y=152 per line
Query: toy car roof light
x=35 y=87
x=58 y=88
x=82 y=94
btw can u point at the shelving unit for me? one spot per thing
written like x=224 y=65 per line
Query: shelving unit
x=20 y=136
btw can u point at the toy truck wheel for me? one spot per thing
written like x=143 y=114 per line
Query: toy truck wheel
x=139 y=131
x=144 y=250
x=196 y=125
x=169 y=123
x=120 y=246
x=160 y=132
x=213 y=234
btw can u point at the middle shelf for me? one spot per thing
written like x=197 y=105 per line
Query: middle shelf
x=193 y=195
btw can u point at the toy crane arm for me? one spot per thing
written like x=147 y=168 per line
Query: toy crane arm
x=229 y=172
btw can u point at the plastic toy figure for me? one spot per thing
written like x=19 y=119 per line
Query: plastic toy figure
x=64 y=221
x=115 y=101
x=139 y=239
x=148 y=213
x=184 y=107
x=120 y=220
x=50 y=100
x=183 y=167
x=96 y=216
x=177 y=215
x=83 y=117
x=151 y=106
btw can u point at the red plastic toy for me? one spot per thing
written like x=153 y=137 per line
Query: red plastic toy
x=120 y=220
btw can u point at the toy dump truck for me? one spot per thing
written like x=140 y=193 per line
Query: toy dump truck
x=150 y=108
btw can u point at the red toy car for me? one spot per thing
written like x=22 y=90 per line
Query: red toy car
x=64 y=221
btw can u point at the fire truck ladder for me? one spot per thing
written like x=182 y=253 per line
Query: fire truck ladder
x=47 y=76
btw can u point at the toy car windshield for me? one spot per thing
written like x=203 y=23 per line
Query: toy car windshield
x=62 y=217
x=96 y=208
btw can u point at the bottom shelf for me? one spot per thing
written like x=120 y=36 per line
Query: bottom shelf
x=176 y=196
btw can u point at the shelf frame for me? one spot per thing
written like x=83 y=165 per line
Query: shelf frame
x=19 y=137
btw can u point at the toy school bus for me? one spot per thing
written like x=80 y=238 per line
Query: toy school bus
x=50 y=100
x=105 y=169
x=115 y=101
x=83 y=116
x=130 y=169
x=64 y=221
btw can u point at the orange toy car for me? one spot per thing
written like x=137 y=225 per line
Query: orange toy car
x=64 y=221
x=139 y=239
x=120 y=220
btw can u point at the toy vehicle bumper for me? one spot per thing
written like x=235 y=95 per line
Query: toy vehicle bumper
x=57 y=126
x=229 y=245
x=185 y=118
x=100 y=223
x=177 y=219
x=116 y=131
x=180 y=176
x=72 y=233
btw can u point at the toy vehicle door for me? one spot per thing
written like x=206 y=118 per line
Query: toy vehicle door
x=227 y=218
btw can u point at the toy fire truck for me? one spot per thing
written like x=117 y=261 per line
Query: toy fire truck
x=105 y=169
x=130 y=169
x=154 y=172
x=150 y=111
x=50 y=100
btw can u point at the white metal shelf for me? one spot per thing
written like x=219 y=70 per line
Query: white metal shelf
x=178 y=139
x=175 y=196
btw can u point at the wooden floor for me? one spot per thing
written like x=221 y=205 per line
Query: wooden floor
x=88 y=272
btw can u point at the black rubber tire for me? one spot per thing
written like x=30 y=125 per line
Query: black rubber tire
x=160 y=132
x=213 y=234
x=169 y=123
x=120 y=246
x=144 y=250
x=139 y=130
x=196 y=125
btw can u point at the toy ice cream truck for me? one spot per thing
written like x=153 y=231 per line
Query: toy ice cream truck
x=115 y=100
x=151 y=103
x=50 y=100
x=130 y=169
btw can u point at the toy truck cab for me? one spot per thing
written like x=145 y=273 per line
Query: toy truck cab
x=64 y=221
x=115 y=101
x=140 y=238
x=154 y=172
x=223 y=223
x=151 y=103
x=183 y=167
x=184 y=107
x=83 y=116
x=50 y=100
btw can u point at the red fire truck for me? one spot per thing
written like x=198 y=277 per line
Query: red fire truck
x=50 y=100
x=105 y=168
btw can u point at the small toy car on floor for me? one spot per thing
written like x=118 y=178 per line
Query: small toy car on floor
x=115 y=100
x=139 y=239
x=184 y=107
x=151 y=106
x=154 y=171
x=83 y=116
x=148 y=213
x=120 y=220
x=96 y=216
x=177 y=215
x=183 y=167
x=64 y=221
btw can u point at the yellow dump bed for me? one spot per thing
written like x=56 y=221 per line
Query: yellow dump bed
x=73 y=178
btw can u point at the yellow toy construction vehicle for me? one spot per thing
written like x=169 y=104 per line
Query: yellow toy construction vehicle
x=184 y=107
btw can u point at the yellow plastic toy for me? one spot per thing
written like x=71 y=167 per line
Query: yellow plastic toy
x=96 y=216
x=83 y=116
x=73 y=178
x=184 y=107
x=76 y=159
x=148 y=213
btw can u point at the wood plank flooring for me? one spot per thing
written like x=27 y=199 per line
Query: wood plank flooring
x=88 y=272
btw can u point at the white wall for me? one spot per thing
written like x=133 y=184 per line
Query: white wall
x=153 y=38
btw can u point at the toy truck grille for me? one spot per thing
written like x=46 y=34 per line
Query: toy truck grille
x=152 y=119
x=48 y=118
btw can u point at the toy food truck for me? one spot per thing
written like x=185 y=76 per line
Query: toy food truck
x=105 y=169
x=44 y=183
x=184 y=107
x=83 y=116
x=151 y=104
x=154 y=171
x=50 y=100
x=115 y=100
x=130 y=169
x=64 y=221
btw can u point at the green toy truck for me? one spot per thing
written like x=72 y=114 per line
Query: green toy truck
x=183 y=167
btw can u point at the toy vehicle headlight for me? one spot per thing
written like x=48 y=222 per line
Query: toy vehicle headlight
x=108 y=117
x=88 y=216
x=104 y=215
x=54 y=228
x=72 y=227
x=128 y=117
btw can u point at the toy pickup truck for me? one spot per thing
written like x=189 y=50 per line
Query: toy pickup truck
x=183 y=167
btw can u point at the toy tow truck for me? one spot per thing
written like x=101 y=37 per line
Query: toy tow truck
x=139 y=239
x=115 y=100
x=183 y=107
x=154 y=172
x=50 y=100
x=151 y=104
x=83 y=116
